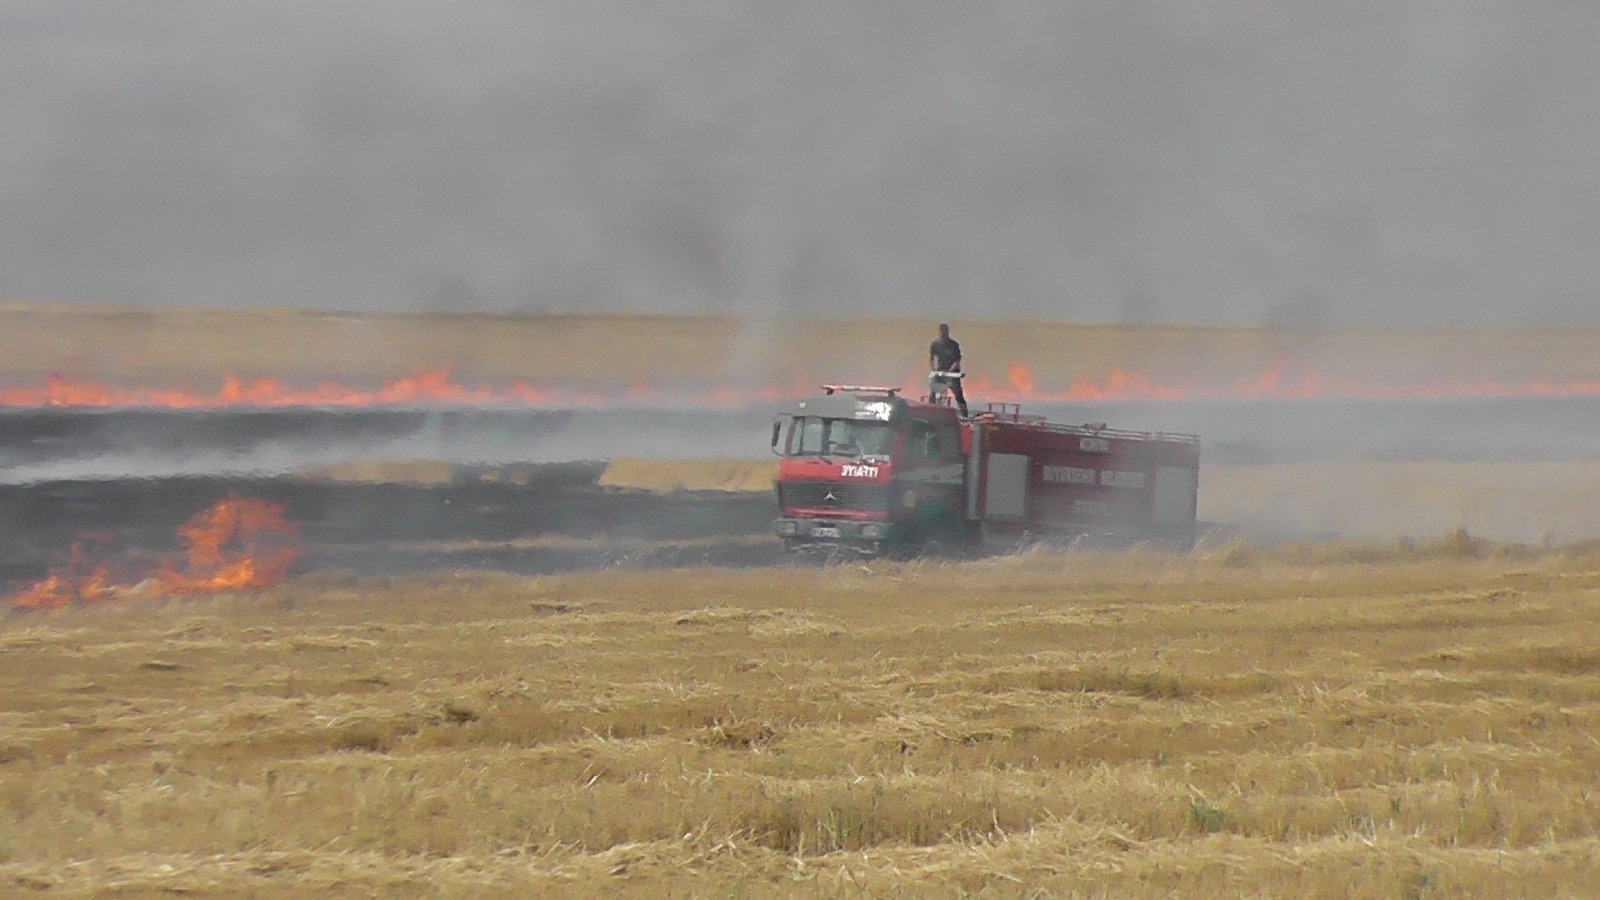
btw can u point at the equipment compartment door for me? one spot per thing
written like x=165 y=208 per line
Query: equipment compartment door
x=1007 y=487
x=1176 y=487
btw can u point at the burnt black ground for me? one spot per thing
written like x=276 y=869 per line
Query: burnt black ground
x=559 y=519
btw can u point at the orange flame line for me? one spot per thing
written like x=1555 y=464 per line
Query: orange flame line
x=1272 y=383
x=437 y=387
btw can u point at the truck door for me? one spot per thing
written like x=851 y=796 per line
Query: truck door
x=929 y=471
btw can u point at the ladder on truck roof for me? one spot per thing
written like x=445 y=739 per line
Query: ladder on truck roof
x=1011 y=414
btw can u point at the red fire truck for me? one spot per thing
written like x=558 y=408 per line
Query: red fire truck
x=864 y=469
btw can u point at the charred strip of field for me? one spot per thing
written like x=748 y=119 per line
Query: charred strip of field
x=41 y=437
x=545 y=518
x=65 y=444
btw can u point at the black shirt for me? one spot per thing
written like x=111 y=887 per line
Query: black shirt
x=945 y=352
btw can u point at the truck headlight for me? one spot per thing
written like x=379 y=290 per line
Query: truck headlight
x=788 y=527
x=872 y=531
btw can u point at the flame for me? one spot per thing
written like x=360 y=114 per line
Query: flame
x=1278 y=381
x=239 y=543
x=81 y=580
x=1281 y=380
x=429 y=387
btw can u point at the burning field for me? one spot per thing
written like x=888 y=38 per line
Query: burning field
x=102 y=540
x=240 y=543
x=535 y=445
x=288 y=618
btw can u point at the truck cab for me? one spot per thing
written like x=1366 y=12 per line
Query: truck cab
x=865 y=469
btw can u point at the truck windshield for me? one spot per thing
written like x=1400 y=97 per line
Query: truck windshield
x=813 y=436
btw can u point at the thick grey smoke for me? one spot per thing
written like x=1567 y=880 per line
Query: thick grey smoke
x=1296 y=163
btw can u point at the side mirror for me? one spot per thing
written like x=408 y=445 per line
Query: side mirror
x=777 y=430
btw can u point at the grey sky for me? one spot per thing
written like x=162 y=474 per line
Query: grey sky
x=1228 y=162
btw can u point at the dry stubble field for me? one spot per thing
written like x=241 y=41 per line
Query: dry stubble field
x=1332 y=720
x=165 y=347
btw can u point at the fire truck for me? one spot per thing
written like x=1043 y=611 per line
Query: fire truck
x=867 y=471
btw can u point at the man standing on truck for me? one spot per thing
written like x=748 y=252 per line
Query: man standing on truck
x=944 y=355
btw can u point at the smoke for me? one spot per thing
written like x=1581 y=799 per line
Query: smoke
x=1212 y=162
x=155 y=444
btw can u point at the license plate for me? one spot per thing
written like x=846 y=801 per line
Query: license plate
x=825 y=531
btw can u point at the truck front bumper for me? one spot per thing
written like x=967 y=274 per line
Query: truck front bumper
x=841 y=532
